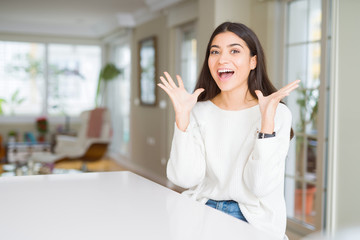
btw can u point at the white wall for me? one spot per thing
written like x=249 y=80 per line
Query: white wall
x=148 y=124
x=233 y=11
x=205 y=26
x=345 y=208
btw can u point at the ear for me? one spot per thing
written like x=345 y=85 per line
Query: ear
x=253 y=62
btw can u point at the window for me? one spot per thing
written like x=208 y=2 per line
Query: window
x=306 y=44
x=118 y=100
x=22 y=82
x=73 y=75
x=187 y=56
x=50 y=79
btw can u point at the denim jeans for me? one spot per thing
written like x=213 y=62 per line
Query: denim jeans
x=230 y=207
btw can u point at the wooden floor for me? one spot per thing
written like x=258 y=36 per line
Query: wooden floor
x=103 y=165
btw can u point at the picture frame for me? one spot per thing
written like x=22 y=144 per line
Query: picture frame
x=147 y=65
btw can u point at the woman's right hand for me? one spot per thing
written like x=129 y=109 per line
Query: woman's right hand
x=183 y=102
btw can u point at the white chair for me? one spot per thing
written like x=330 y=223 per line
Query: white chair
x=90 y=144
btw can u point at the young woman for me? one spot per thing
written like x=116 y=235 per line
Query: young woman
x=232 y=134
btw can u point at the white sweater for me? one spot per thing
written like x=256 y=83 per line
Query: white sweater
x=219 y=157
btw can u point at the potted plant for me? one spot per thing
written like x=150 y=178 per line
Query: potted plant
x=107 y=73
x=42 y=127
x=13 y=136
x=308 y=111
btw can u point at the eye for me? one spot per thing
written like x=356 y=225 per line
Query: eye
x=234 y=51
x=213 y=52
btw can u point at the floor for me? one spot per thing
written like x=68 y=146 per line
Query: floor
x=103 y=165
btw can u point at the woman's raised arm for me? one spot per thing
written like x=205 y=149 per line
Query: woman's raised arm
x=183 y=102
x=269 y=104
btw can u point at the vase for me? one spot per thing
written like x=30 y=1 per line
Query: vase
x=41 y=138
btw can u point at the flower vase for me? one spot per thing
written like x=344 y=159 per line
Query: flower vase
x=41 y=138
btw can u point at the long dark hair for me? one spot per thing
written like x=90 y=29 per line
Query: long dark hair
x=258 y=78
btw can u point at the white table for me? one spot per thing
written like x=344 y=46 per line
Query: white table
x=104 y=206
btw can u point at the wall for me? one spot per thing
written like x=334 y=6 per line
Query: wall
x=346 y=116
x=265 y=21
x=148 y=124
x=233 y=11
x=205 y=25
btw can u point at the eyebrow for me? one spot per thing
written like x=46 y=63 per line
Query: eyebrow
x=230 y=45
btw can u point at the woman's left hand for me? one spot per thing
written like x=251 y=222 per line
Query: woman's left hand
x=269 y=104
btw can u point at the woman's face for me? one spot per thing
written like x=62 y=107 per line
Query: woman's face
x=230 y=62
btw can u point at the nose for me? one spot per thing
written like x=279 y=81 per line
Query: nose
x=223 y=58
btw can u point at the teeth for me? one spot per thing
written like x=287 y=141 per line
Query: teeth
x=225 y=70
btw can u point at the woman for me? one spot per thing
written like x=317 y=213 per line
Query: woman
x=232 y=134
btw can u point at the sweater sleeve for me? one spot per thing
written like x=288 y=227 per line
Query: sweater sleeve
x=264 y=170
x=186 y=166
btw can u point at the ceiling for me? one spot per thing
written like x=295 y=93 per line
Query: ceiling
x=77 y=18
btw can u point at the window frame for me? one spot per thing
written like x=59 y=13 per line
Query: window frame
x=46 y=40
x=179 y=33
x=123 y=39
x=300 y=227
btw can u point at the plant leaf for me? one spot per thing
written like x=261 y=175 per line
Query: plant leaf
x=14 y=95
x=107 y=73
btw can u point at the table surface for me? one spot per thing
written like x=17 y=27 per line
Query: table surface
x=112 y=205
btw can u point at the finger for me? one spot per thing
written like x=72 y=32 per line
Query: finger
x=290 y=85
x=198 y=92
x=166 y=84
x=290 y=88
x=180 y=81
x=283 y=94
x=169 y=93
x=165 y=89
x=170 y=80
x=259 y=94
x=278 y=95
x=293 y=88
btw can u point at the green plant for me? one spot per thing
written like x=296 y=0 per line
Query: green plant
x=32 y=67
x=15 y=100
x=107 y=73
x=42 y=125
x=29 y=68
x=13 y=135
x=2 y=101
x=57 y=99
x=308 y=111
x=308 y=103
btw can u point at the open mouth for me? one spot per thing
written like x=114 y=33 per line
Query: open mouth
x=225 y=73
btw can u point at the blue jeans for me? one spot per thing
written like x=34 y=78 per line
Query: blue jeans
x=230 y=207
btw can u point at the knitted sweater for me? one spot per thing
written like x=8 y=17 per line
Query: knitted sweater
x=219 y=157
